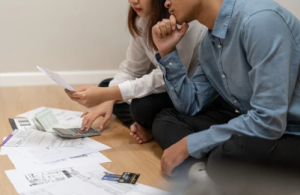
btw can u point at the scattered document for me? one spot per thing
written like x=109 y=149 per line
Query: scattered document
x=57 y=78
x=20 y=162
x=89 y=143
x=47 y=155
x=88 y=180
x=24 y=181
x=7 y=150
x=44 y=155
x=73 y=186
x=39 y=139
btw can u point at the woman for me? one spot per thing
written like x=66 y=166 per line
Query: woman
x=137 y=93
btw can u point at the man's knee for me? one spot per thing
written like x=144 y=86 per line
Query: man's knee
x=243 y=148
x=245 y=161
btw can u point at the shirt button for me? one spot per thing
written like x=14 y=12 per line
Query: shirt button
x=220 y=46
x=223 y=76
x=235 y=101
x=171 y=64
x=171 y=88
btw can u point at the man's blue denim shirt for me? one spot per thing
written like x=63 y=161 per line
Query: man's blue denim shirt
x=251 y=58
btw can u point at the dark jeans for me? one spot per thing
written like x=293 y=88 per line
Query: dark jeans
x=142 y=110
x=241 y=164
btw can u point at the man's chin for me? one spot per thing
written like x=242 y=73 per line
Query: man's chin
x=181 y=21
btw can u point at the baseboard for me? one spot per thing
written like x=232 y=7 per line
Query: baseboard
x=38 y=78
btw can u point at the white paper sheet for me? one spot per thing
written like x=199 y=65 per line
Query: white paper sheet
x=44 y=155
x=57 y=78
x=21 y=162
x=73 y=186
x=24 y=181
x=69 y=187
x=88 y=178
x=90 y=143
x=7 y=150
x=40 y=139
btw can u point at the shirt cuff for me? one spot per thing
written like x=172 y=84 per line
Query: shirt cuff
x=126 y=90
x=197 y=144
x=170 y=64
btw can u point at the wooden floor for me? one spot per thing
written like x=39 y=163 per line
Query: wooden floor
x=126 y=154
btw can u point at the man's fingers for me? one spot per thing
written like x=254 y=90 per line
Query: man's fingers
x=173 y=22
x=162 y=164
x=163 y=29
x=168 y=168
x=168 y=26
x=156 y=30
x=184 y=28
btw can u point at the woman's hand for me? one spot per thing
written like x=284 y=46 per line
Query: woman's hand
x=105 y=110
x=90 y=96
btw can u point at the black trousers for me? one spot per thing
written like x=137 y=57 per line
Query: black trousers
x=142 y=110
x=242 y=164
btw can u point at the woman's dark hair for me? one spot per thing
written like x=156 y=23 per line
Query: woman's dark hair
x=159 y=12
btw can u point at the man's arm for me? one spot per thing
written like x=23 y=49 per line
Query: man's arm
x=189 y=96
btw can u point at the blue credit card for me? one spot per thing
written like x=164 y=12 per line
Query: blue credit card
x=110 y=178
x=112 y=175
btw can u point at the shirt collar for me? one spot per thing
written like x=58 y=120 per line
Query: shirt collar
x=222 y=22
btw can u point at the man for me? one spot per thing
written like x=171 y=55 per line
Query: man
x=251 y=57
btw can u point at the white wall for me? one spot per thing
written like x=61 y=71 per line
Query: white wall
x=68 y=34
x=62 y=34
x=86 y=38
x=292 y=5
